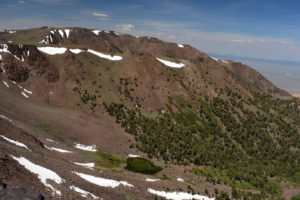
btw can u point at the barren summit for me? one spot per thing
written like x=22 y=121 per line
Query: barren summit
x=92 y=114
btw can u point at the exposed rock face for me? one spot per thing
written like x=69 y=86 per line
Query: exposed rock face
x=14 y=69
x=26 y=60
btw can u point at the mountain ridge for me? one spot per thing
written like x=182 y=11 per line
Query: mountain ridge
x=204 y=119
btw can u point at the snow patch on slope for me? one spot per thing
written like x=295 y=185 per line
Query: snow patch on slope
x=170 y=64
x=3 y=117
x=133 y=156
x=25 y=95
x=19 y=144
x=67 y=31
x=96 y=32
x=27 y=91
x=86 y=148
x=83 y=193
x=76 y=51
x=151 y=180
x=5 y=83
x=178 y=195
x=180 y=179
x=180 y=45
x=216 y=59
x=101 y=55
x=44 y=174
x=86 y=165
x=103 y=182
x=52 y=50
x=58 y=149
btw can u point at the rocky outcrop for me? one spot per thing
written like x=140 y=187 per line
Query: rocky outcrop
x=21 y=61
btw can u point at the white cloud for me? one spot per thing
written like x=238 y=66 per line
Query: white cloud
x=21 y=1
x=125 y=27
x=99 y=14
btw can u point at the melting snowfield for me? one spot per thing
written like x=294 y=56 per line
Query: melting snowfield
x=171 y=64
x=86 y=148
x=102 y=181
x=178 y=195
x=82 y=192
x=101 y=55
x=19 y=144
x=44 y=174
x=52 y=50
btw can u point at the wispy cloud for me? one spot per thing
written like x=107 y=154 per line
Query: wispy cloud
x=99 y=14
x=21 y=1
x=125 y=27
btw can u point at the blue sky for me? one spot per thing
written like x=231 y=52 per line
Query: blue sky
x=254 y=28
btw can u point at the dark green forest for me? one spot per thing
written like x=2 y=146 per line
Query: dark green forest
x=248 y=143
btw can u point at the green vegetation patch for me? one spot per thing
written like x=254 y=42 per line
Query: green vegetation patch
x=142 y=165
x=220 y=176
x=105 y=160
x=49 y=130
x=297 y=197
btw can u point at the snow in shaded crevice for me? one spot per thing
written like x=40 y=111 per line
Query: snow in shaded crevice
x=27 y=91
x=67 y=31
x=85 y=147
x=25 y=95
x=178 y=195
x=103 y=182
x=61 y=32
x=17 y=143
x=109 y=57
x=43 y=173
x=52 y=50
x=3 y=117
x=5 y=83
x=171 y=64
x=83 y=193
x=86 y=165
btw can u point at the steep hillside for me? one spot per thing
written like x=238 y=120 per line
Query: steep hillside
x=217 y=128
